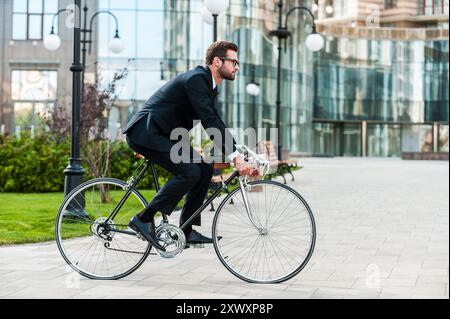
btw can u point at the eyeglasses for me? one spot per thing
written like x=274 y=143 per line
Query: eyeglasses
x=233 y=61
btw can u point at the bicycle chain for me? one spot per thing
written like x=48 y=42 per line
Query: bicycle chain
x=107 y=244
x=127 y=251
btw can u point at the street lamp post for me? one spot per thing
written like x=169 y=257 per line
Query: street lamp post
x=53 y=42
x=314 y=42
x=74 y=171
x=215 y=7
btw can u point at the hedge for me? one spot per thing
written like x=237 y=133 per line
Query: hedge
x=31 y=165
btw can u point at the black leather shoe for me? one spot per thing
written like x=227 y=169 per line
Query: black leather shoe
x=195 y=237
x=147 y=230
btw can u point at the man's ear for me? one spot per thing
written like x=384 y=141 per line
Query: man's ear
x=217 y=61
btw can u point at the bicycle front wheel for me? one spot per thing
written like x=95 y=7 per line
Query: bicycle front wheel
x=270 y=242
x=92 y=245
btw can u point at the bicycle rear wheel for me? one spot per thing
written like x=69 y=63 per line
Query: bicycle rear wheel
x=93 y=247
x=271 y=244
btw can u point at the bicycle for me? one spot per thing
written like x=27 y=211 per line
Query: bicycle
x=263 y=231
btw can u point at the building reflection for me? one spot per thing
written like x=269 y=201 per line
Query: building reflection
x=378 y=88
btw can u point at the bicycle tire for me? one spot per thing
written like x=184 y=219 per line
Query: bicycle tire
x=225 y=227
x=67 y=216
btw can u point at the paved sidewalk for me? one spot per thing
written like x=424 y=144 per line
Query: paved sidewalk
x=383 y=232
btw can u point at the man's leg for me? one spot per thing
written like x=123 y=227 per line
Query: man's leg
x=185 y=177
x=189 y=178
x=196 y=196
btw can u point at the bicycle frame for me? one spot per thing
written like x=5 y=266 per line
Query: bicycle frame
x=133 y=182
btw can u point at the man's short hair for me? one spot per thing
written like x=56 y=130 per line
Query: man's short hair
x=219 y=49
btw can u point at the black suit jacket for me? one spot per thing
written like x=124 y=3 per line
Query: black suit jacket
x=188 y=97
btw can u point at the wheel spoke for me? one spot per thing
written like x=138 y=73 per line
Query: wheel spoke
x=91 y=245
x=279 y=247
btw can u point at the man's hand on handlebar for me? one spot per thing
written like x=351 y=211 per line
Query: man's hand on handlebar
x=244 y=168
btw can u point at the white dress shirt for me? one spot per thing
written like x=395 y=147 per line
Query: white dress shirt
x=236 y=153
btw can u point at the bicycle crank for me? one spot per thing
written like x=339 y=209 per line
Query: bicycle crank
x=172 y=239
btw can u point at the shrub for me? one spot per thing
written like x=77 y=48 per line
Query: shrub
x=32 y=164
x=37 y=164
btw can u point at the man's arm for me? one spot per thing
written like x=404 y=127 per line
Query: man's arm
x=197 y=90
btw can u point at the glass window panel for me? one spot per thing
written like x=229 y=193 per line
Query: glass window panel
x=351 y=140
x=20 y=6
x=150 y=84
x=125 y=88
x=35 y=27
x=51 y=6
x=102 y=41
x=33 y=93
x=34 y=85
x=443 y=138
x=151 y=5
x=200 y=36
x=437 y=6
x=23 y=114
x=48 y=24
x=120 y=4
x=15 y=85
x=389 y=4
x=42 y=109
x=52 y=85
x=383 y=140
x=428 y=7
x=416 y=138
x=35 y=6
x=103 y=4
x=324 y=139
x=149 y=29
x=127 y=30
x=19 y=29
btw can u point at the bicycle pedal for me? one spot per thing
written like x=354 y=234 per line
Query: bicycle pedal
x=197 y=246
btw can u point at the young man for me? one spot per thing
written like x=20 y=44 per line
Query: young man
x=188 y=97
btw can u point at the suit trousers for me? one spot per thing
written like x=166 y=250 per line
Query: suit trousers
x=190 y=179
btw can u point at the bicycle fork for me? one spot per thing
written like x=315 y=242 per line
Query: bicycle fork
x=251 y=217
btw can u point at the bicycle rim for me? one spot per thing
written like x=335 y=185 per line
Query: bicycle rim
x=89 y=245
x=271 y=245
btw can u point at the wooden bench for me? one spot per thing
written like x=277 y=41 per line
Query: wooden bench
x=279 y=167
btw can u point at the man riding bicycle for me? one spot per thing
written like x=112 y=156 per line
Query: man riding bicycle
x=188 y=97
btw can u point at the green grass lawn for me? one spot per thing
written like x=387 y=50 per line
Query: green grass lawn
x=30 y=218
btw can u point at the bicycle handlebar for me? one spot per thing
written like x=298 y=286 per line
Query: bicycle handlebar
x=253 y=158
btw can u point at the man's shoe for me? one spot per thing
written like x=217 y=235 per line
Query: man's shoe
x=195 y=237
x=147 y=230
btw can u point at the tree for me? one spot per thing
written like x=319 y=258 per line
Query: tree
x=95 y=108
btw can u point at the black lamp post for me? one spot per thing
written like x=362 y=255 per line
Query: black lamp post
x=116 y=45
x=74 y=171
x=314 y=42
x=215 y=27
x=215 y=7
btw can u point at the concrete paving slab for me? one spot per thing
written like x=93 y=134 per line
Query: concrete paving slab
x=382 y=232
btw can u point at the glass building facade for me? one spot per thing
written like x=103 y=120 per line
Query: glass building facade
x=376 y=91
x=381 y=97
x=173 y=35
